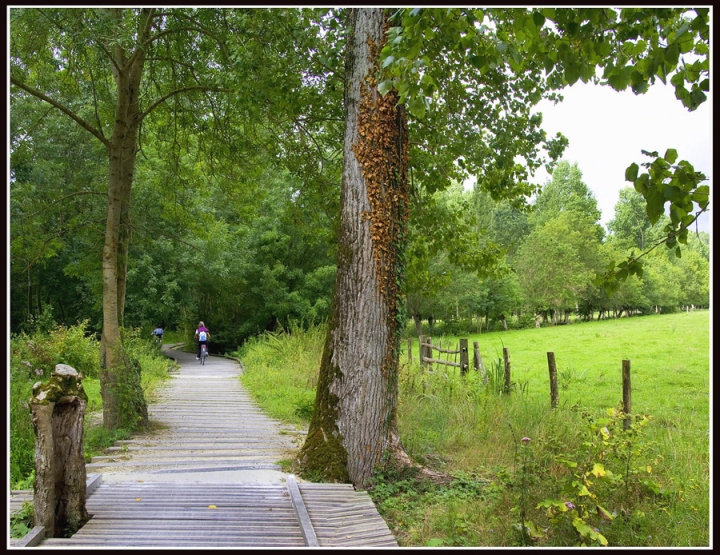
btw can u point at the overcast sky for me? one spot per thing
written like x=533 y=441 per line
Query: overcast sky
x=608 y=129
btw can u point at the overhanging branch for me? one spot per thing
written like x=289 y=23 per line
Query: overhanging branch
x=64 y=109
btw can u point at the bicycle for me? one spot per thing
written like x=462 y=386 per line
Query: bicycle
x=203 y=354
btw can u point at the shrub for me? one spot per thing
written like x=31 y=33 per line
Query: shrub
x=34 y=357
x=526 y=320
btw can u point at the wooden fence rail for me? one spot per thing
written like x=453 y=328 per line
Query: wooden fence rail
x=426 y=358
x=426 y=354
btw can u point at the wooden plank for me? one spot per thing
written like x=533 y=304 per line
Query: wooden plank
x=93 y=481
x=448 y=351
x=32 y=538
x=302 y=514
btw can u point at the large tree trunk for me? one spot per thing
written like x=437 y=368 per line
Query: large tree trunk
x=354 y=421
x=119 y=387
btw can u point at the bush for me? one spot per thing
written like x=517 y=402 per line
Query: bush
x=526 y=321
x=41 y=351
x=33 y=358
x=458 y=328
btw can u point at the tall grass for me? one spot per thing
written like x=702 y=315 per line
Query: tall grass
x=281 y=370
x=469 y=428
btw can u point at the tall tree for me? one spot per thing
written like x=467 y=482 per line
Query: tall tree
x=469 y=78
x=566 y=191
x=354 y=421
x=108 y=70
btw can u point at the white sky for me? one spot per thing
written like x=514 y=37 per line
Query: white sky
x=607 y=130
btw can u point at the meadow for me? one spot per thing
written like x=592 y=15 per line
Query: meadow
x=513 y=492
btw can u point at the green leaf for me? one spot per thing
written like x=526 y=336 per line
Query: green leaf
x=582 y=527
x=672 y=54
x=641 y=184
x=619 y=78
x=631 y=172
x=572 y=74
x=680 y=32
x=678 y=79
x=538 y=19
x=417 y=107
x=677 y=252
x=388 y=61
x=548 y=63
x=385 y=86
x=697 y=97
x=671 y=155
x=673 y=193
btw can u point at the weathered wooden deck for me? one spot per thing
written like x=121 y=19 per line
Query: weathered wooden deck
x=208 y=476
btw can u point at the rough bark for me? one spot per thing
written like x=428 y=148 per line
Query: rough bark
x=354 y=423
x=58 y=411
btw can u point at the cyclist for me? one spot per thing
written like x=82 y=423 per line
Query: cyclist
x=158 y=333
x=202 y=334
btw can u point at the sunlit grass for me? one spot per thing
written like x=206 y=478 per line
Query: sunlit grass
x=281 y=371
x=460 y=426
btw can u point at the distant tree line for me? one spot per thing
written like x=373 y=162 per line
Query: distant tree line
x=552 y=255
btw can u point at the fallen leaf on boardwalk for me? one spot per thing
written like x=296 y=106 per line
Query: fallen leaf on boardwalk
x=138 y=499
x=212 y=507
x=141 y=480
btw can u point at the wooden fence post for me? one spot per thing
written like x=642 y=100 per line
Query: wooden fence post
x=477 y=359
x=428 y=351
x=553 y=380
x=506 y=356
x=409 y=350
x=464 y=357
x=421 y=349
x=627 y=392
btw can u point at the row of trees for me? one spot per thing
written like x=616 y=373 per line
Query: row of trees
x=552 y=257
x=170 y=162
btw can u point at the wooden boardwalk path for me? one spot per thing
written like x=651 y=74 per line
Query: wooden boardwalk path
x=208 y=476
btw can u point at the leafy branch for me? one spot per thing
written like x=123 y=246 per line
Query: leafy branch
x=664 y=182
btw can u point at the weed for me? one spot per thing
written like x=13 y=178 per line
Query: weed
x=21 y=521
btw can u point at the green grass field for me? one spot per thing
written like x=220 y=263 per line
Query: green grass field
x=669 y=357
x=467 y=429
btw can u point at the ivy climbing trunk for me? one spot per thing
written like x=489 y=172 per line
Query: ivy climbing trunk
x=354 y=421
x=120 y=386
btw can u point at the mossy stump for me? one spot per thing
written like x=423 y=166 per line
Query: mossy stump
x=58 y=412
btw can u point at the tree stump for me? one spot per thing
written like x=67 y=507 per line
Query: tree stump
x=58 y=412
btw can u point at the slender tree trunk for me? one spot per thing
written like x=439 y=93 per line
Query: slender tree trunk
x=418 y=324
x=116 y=379
x=354 y=421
